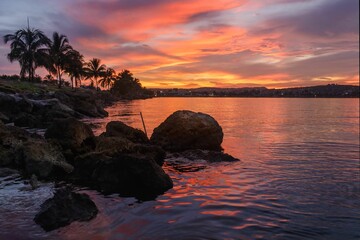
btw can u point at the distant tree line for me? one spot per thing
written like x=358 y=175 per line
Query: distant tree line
x=33 y=49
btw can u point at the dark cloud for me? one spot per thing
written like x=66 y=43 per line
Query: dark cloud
x=343 y=64
x=330 y=19
x=112 y=6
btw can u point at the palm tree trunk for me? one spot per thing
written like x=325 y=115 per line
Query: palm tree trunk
x=59 y=76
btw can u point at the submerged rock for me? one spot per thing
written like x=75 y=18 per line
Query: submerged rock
x=185 y=130
x=64 y=208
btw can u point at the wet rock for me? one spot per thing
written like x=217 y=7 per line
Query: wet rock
x=64 y=208
x=185 y=130
x=127 y=174
x=69 y=133
x=119 y=129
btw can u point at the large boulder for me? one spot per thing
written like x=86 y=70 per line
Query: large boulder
x=69 y=133
x=119 y=129
x=64 y=208
x=185 y=130
x=127 y=174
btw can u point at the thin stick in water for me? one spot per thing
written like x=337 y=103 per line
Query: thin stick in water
x=142 y=119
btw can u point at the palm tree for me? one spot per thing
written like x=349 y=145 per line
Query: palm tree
x=108 y=78
x=59 y=54
x=74 y=67
x=93 y=70
x=26 y=47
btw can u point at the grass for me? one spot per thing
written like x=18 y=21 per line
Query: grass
x=17 y=86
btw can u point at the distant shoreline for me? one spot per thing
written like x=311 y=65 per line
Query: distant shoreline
x=322 y=91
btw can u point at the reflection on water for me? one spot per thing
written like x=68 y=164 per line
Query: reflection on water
x=298 y=177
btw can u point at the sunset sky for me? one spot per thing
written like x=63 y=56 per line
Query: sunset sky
x=203 y=43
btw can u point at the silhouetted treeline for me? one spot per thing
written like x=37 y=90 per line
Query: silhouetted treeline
x=32 y=49
x=330 y=90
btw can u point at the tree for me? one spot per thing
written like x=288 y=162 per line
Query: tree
x=59 y=54
x=93 y=70
x=108 y=78
x=74 y=67
x=126 y=85
x=26 y=47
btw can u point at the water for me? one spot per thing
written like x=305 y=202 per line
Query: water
x=299 y=178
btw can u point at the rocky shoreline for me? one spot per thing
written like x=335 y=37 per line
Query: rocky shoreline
x=121 y=160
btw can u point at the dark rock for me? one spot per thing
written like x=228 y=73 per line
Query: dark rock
x=123 y=145
x=84 y=102
x=69 y=133
x=30 y=153
x=4 y=118
x=64 y=208
x=25 y=105
x=43 y=160
x=113 y=144
x=119 y=129
x=151 y=152
x=8 y=103
x=185 y=130
x=127 y=174
x=27 y=120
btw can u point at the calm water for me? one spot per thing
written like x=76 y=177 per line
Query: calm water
x=298 y=178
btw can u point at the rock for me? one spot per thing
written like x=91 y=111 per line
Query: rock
x=209 y=156
x=4 y=118
x=113 y=144
x=25 y=105
x=123 y=145
x=119 y=129
x=27 y=120
x=127 y=174
x=69 y=133
x=84 y=102
x=64 y=208
x=155 y=153
x=185 y=130
x=43 y=160
x=31 y=154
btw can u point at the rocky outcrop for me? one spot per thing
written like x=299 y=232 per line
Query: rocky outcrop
x=39 y=110
x=64 y=208
x=185 y=130
x=31 y=154
x=127 y=174
x=85 y=102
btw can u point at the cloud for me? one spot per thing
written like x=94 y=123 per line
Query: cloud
x=179 y=43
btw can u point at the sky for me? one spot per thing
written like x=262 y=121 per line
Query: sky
x=203 y=43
